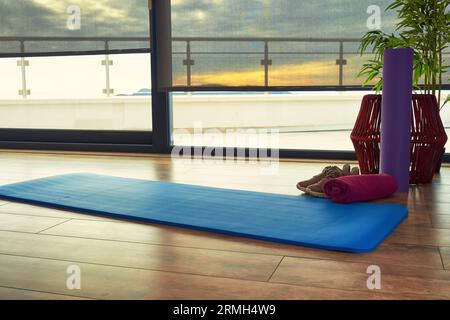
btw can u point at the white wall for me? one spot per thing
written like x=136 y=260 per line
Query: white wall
x=303 y=111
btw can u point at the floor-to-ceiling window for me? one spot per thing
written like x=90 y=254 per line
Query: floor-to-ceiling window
x=242 y=74
x=301 y=57
x=76 y=65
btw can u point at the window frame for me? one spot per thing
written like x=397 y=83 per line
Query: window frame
x=159 y=140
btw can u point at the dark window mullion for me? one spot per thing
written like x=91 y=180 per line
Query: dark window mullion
x=161 y=61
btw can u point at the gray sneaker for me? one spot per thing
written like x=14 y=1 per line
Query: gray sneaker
x=328 y=172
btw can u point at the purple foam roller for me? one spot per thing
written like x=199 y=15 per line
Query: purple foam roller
x=396 y=115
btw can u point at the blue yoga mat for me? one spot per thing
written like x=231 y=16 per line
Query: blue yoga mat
x=297 y=220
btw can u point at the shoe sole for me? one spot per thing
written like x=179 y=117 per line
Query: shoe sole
x=316 y=194
x=301 y=188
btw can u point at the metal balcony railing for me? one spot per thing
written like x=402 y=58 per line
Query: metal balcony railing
x=341 y=48
x=265 y=54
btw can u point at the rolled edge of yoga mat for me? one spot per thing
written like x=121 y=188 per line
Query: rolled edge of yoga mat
x=396 y=115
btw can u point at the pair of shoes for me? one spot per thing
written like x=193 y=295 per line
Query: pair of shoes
x=314 y=186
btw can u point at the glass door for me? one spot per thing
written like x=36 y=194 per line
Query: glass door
x=69 y=67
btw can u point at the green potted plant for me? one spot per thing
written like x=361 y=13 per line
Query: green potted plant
x=423 y=25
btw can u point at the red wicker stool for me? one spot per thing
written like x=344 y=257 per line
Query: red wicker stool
x=366 y=134
x=428 y=136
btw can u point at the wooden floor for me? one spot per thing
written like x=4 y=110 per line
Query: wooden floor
x=124 y=260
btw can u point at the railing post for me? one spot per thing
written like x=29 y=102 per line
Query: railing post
x=22 y=63
x=341 y=62
x=107 y=63
x=188 y=62
x=266 y=62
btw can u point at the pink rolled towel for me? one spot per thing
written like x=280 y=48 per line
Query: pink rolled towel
x=364 y=187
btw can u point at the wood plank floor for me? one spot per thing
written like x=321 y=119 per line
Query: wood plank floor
x=120 y=259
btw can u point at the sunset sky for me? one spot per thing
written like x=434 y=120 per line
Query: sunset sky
x=214 y=18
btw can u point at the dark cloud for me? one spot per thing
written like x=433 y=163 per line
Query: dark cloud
x=20 y=17
x=28 y=18
x=315 y=18
x=287 y=18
